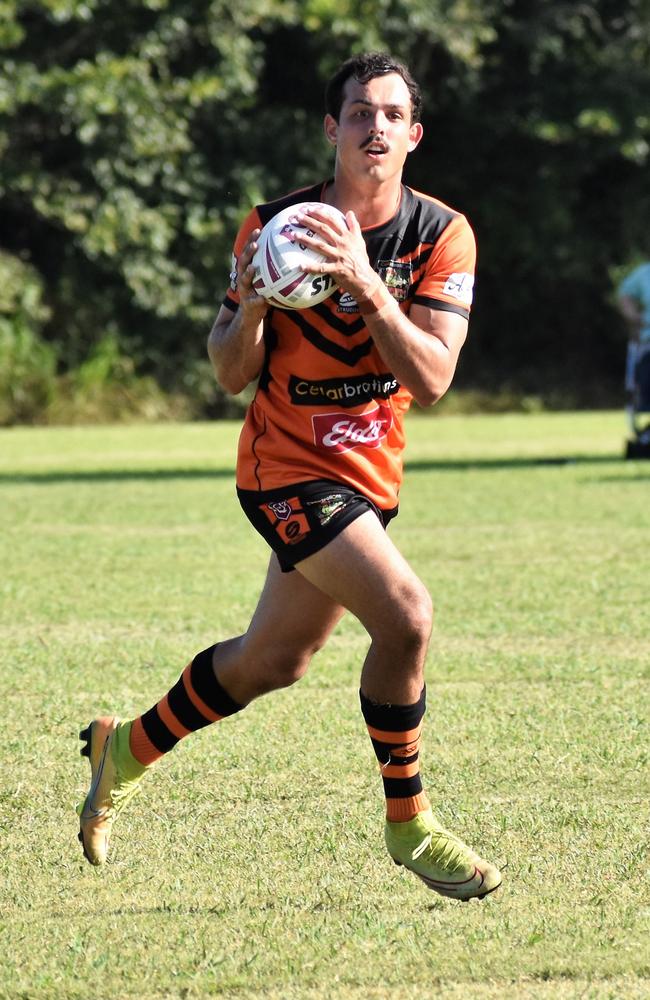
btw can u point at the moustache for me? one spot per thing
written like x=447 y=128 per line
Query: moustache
x=370 y=140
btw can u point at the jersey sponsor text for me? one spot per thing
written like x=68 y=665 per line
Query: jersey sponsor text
x=351 y=391
x=344 y=432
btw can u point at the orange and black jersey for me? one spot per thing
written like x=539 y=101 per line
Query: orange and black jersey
x=326 y=406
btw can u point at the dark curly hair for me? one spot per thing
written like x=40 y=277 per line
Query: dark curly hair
x=363 y=68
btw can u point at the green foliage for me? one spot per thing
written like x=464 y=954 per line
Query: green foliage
x=27 y=363
x=27 y=373
x=133 y=138
x=106 y=387
x=21 y=293
x=112 y=156
x=557 y=198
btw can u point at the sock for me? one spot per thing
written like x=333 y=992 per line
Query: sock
x=196 y=700
x=395 y=731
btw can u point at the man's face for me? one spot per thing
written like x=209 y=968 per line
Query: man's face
x=374 y=133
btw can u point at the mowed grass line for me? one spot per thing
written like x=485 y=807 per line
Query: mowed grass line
x=252 y=865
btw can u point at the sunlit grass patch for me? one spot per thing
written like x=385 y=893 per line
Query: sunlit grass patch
x=252 y=864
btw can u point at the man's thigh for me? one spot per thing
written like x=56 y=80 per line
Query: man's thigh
x=292 y=613
x=362 y=570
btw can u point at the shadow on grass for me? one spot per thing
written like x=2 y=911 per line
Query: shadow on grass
x=416 y=465
x=640 y=473
x=113 y=475
x=518 y=462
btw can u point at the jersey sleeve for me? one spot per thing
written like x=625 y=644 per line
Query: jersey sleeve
x=251 y=222
x=448 y=279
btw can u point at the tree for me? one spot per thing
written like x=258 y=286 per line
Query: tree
x=118 y=181
x=135 y=136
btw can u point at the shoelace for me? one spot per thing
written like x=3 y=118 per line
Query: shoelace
x=124 y=789
x=450 y=856
x=118 y=799
x=421 y=848
x=120 y=796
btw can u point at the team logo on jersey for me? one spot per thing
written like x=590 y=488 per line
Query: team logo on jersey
x=347 y=303
x=345 y=432
x=460 y=285
x=347 y=392
x=396 y=275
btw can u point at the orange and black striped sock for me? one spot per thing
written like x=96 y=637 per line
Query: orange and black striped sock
x=195 y=701
x=395 y=731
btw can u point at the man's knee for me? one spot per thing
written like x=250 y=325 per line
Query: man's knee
x=419 y=617
x=281 y=666
x=412 y=621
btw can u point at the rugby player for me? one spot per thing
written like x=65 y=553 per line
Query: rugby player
x=319 y=467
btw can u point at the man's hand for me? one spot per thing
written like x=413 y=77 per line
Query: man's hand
x=253 y=306
x=344 y=246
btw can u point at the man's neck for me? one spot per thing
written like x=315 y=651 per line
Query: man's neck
x=372 y=205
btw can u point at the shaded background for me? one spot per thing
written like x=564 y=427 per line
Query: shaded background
x=134 y=135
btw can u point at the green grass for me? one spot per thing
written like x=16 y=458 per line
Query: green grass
x=252 y=865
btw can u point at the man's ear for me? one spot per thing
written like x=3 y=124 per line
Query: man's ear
x=331 y=127
x=415 y=134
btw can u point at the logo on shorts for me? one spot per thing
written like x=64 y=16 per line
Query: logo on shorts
x=328 y=507
x=344 y=432
x=288 y=519
x=281 y=509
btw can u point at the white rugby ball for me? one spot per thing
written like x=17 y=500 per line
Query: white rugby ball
x=279 y=261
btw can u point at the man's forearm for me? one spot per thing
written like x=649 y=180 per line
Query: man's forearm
x=422 y=360
x=236 y=348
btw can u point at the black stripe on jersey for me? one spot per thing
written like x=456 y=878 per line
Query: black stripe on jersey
x=271 y=208
x=346 y=329
x=349 y=356
x=421 y=259
x=270 y=342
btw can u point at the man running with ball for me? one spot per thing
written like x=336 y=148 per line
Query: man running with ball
x=319 y=468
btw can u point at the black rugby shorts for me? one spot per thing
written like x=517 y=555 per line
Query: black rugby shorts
x=301 y=519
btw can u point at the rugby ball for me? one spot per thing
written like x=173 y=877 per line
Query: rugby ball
x=280 y=259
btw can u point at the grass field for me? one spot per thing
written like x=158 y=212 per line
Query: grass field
x=252 y=865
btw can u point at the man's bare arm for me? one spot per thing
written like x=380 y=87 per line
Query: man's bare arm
x=236 y=341
x=421 y=349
